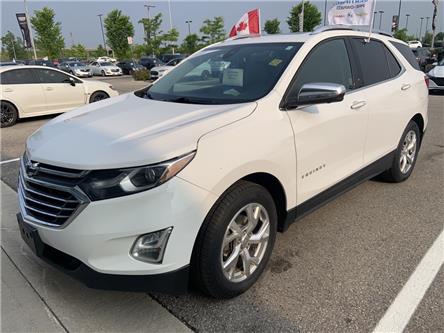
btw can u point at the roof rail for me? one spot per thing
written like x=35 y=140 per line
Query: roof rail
x=349 y=28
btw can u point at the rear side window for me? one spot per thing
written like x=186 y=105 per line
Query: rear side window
x=407 y=54
x=17 y=76
x=328 y=62
x=393 y=64
x=373 y=58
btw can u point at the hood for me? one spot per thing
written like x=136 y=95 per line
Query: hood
x=437 y=71
x=128 y=131
x=162 y=68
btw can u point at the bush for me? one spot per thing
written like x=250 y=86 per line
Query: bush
x=141 y=75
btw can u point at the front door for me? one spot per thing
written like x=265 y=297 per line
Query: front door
x=329 y=138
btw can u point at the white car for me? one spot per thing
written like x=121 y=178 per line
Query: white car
x=414 y=44
x=436 y=76
x=105 y=69
x=106 y=59
x=159 y=71
x=28 y=91
x=192 y=179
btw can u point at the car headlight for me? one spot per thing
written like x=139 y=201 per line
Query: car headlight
x=106 y=184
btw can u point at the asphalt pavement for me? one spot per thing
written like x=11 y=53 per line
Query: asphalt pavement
x=337 y=270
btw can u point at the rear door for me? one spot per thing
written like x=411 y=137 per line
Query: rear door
x=60 y=94
x=388 y=93
x=329 y=138
x=20 y=86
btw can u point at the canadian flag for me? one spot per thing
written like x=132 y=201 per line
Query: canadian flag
x=249 y=24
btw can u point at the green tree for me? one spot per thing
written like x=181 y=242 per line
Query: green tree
x=312 y=17
x=272 y=26
x=439 y=36
x=153 y=34
x=118 y=29
x=169 y=40
x=402 y=35
x=190 y=44
x=427 y=39
x=79 y=51
x=48 y=37
x=100 y=51
x=13 y=46
x=213 y=30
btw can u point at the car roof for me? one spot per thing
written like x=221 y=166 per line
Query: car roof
x=5 y=68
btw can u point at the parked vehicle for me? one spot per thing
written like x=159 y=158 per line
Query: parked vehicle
x=76 y=68
x=104 y=69
x=157 y=72
x=413 y=44
x=436 y=77
x=165 y=58
x=28 y=91
x=191 y=180
x=129 y=66
x=422 y=55
x=8 y=63
x=150 y=62
x=106 y=59
x=47 y=63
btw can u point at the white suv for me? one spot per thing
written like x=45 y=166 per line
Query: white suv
x=190 y=179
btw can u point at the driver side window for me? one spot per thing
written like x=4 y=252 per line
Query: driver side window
x=327 y=63
x=51 y=76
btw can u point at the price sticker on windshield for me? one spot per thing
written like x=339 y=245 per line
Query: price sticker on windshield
x=233 y=77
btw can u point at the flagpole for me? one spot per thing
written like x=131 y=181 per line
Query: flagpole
x=260 y=23
x=371 y=22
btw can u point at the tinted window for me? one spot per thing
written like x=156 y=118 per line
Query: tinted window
x=328 y=62
x=373 y=60
x=51 y=76
x=407 y=54
x=17 y=76
x=393 y=64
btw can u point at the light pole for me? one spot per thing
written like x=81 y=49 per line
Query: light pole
x=427 y=24
x=399 y=15
x=301 y=18
x=380 y=18
x=374 y=19
x=420 y=29
x=103 y=33
x=325 y=13
x=189 y=26
x=406 y=21
x=148 y=29
x=30 y=30
x=171 y=19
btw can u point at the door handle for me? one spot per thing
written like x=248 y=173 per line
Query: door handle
x=358 y=104
x=49 y=88
x=405 y=86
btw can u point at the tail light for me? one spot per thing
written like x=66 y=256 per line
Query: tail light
x=427 y=81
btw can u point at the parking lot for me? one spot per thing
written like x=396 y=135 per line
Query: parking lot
x=337 y=270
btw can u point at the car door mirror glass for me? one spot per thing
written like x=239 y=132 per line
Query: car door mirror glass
x=317 y=93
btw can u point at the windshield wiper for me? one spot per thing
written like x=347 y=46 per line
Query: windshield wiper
x=190 y=100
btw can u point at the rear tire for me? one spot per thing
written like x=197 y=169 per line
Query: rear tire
x=9 y=114
x=235 y=242
x=103 y=73
x=405 y=156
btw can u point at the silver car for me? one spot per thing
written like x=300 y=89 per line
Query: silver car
x=104 y=69
x=76 y=68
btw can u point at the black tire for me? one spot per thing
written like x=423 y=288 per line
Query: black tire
x=9 y=114
x=98 y=96
x=103 y=73
x=395 y=174
x=206 y=268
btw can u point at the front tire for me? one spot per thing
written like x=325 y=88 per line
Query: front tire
x=406 y=155
x=103 y=73
x=98 y=96
x=235 y=241
x=9 y=114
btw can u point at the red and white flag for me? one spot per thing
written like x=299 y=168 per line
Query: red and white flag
x=249 y=24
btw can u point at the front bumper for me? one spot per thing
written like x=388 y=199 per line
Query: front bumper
x=113 y=73
x=83 y=74
x=100 y=237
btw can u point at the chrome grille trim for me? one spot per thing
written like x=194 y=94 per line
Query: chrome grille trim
x=36 y=204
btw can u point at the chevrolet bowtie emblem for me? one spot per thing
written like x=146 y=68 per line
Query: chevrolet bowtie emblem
x=32 y=169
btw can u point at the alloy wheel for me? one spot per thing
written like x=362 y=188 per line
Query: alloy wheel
x=99 y=96
x=7 y=114
x=408 y=152
x=245 y=242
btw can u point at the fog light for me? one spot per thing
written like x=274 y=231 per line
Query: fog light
x=151 y=247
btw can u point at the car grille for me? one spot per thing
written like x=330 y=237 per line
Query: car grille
x=48 y=194
x=115 y=70
x=438 y=80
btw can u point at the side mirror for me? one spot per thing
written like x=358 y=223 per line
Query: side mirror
x=317 y=93
x=71 y=81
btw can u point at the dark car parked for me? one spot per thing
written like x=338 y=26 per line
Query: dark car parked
x=150 y=62
x=165 y=58
x=41 y=63
x=129 y=66
x=423 y=56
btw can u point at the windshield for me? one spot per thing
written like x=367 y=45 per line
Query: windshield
x=75 y=64
x=104 y=63
x=226 y=74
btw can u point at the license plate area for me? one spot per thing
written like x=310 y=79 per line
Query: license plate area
x=31 y=236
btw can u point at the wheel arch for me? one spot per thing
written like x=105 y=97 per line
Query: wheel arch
x=419 y=120
x=97 y=91
x=13 y=104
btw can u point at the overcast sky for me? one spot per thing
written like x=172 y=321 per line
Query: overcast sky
x=79 y=18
